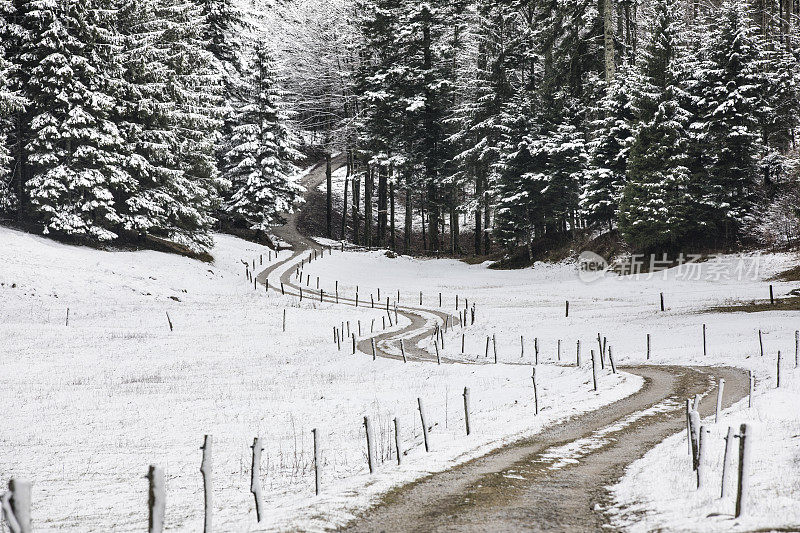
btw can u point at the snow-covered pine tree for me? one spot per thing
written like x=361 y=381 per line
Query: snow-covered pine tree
x=653 y=207
x=613 y=135
x=10 y=103
x=730 y=87
x=77 y=180
x=171 y=121
x=259 y=160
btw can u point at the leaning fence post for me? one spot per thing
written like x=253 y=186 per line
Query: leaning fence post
x=169 y=322
x=694 y=427
x=761 y=342
x=720 y=389
x=205 y=469
x=466 y=409
x=255 y=475
x=317 y=465
x=701 y=444
x=403 y=350
x=744 y=467
x=16 y=505
x=156 y=499
x=726 y=460
x=611 y=360
x=424 y=425
x=370 y=446
x=689 y=424
x=397 y=441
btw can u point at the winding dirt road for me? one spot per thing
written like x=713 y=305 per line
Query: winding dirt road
x=555 y=481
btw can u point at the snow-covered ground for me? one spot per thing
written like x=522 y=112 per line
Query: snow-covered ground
x=531 y=303
x=89 y=405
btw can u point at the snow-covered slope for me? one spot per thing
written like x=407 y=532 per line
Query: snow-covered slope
x=89 y=405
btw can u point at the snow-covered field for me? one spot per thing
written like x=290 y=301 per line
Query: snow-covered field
x=530 y=303
x=89 y=405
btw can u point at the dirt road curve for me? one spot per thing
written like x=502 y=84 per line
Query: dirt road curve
x=533 y=485
x=525 y=487
x=421 y=319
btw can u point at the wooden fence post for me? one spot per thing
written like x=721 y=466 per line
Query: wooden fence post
x=494 y=344
x=466 y=409
x=255 y=477
x=438 y=357
x=771 y=296
x=648 y=346
x=742 y=484
x=208 y=488
x=374 y=355
x=317 y=465
x=611 y=360
x=536 y=350
x=566 y=311
x=403 y=350
x=796 y=346
x=701 y=467
x=705 y=351
x=601 y=351
x=462 y=343
x=156 y=499
x=16 y=506
x=559 y=350
x=689 y=424
x=169 y=322
x=424 y=425
x=662 y=301
x=370 y=446
x=751 y=387
x=725 y=461
x=354 y=343
x=778 y=381
x=535 y=392
x=761 y=342
x=67 y=321
x=397 y=446
x=720 y=389
x=284 y=320
x=578 y=355
x=594 y=371
x=694 y=427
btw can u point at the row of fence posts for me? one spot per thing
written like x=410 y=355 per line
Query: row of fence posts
x=697 y=438
x=16 y=503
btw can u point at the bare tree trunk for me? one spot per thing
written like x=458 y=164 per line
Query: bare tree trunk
x=433 y=215
x=382 y=201
x=424 y=233
x=391 y=208
x=344 y=207
x=408 y=222
x=608 y=39
x=487 y=244
x=454 y=229
x=329 y=199
x=369 y=177
x=478 y=213
x=356 y=208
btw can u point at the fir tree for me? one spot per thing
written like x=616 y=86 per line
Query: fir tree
x=613 y=137
x=10 y=103
x=653 y=207
x=729 y=86
x=77 y=179
x=258 y=162
x=171 y=120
